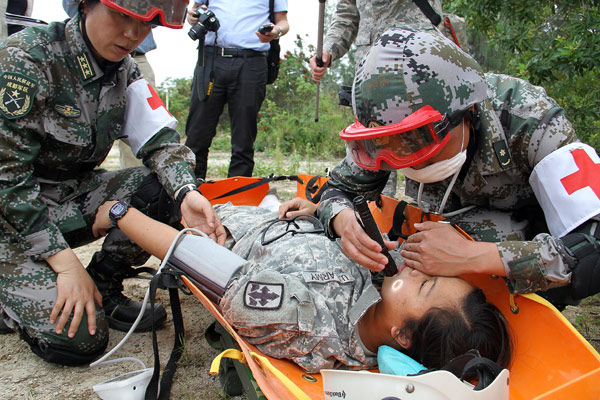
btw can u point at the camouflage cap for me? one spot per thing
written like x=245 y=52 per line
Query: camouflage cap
x=406 y=70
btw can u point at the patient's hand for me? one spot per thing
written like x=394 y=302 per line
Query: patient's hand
x=296 y=206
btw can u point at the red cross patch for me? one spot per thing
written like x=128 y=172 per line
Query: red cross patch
x=155 y=101
x=586 y=176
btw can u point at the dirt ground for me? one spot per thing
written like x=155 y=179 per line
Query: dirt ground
x=26 y=376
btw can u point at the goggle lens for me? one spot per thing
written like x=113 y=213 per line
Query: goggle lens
x=171 y=13
x=413 y=140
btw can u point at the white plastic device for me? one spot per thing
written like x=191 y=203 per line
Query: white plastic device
x=128 y=386
x=132 y=385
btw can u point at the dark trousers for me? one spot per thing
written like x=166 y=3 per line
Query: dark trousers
x=239 y=82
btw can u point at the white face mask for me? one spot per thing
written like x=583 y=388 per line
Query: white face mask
x=440 y=170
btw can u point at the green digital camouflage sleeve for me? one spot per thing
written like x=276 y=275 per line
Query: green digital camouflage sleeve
x=537 y=265
x=342 y=30
x=23 y=91
x=542 y=263
x=348 y=180
x=172 y=162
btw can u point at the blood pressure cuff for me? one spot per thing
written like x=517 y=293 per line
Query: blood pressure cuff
x=585 y=279
x=208 y=264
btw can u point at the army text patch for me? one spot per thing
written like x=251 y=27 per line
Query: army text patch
x=263 y=296
x=324 y=277
x=17 y=92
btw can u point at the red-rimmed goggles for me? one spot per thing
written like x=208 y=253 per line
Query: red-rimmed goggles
x=408 y=142
x=170 y=13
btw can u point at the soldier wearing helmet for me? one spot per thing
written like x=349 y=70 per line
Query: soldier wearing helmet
x=483 y=150
x=67 y=92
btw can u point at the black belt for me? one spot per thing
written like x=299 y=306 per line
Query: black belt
x=233 y=52
x=58 y=175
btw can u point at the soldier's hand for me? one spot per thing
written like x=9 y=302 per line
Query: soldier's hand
x=357 y=245
x=440 y=250
x=198 y=213
x=318 y=72
x=76 y=293
x=296 y=206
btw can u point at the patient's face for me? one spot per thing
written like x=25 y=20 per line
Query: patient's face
x=411 y=293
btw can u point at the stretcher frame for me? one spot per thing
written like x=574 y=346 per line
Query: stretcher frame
x=552 y=360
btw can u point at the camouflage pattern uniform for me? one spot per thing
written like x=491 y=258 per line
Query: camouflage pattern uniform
x=514 y=128
x=299 y=297
x=59 y=123
x=362 y=21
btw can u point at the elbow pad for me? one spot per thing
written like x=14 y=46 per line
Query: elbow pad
x=585 y=278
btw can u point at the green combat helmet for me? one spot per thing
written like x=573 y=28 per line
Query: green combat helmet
x=169 y=13
x=412 y=88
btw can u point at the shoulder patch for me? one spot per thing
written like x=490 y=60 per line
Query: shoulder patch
x=16 y=94
x=502 y=154
x=263 y=296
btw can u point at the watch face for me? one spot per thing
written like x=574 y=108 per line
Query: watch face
x=118 y=208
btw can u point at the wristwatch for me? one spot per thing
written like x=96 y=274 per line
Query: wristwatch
x=117 y=211
x=183 y=192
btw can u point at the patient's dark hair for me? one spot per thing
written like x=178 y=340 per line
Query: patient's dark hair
x=444 y=333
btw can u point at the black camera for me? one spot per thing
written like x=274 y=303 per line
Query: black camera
x=207 y=22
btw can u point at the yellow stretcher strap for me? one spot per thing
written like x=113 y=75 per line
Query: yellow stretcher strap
x=265 y=364
x=229 y=353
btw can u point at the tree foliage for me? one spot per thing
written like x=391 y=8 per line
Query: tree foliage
x=175 y=93
x=287 y=118
x=554 y=44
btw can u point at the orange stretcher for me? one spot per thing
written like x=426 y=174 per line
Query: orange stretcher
x=551 y=359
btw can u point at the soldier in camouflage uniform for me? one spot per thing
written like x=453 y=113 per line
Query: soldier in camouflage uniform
x=67 y=91
x=485 y=166
x=361 y=22
x=299 y=297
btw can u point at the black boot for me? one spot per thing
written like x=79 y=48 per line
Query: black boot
x=121 y=311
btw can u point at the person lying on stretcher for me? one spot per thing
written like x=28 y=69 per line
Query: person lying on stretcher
x=300 y=298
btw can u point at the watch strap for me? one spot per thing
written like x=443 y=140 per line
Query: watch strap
x=183 y=192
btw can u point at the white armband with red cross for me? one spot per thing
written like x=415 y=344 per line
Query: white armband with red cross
x=567 y=184
x=145 y=114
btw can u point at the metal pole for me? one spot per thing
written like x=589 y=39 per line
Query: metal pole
x=319 y=58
